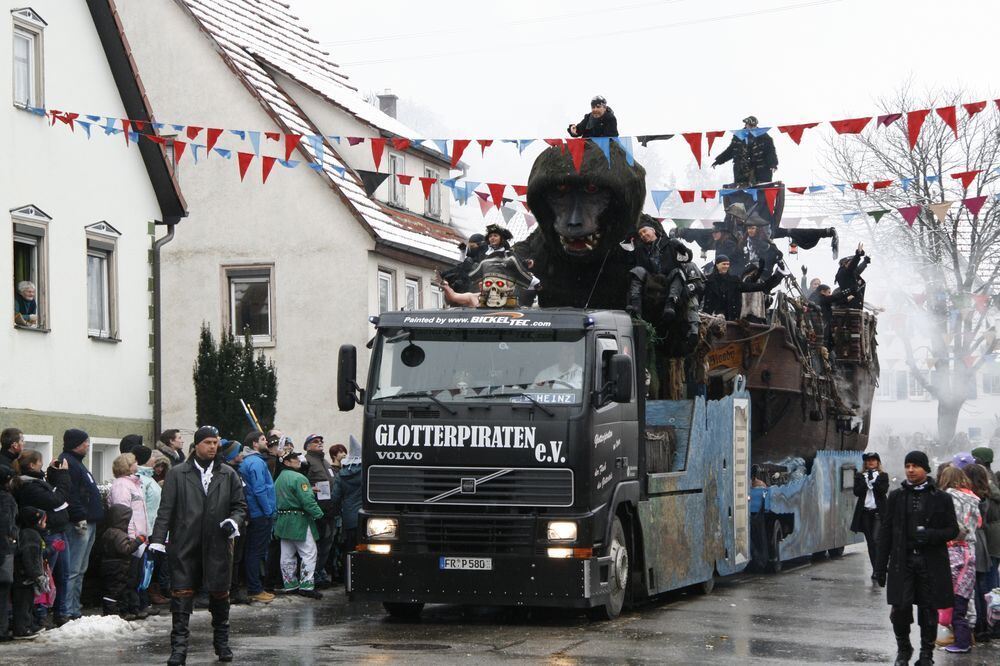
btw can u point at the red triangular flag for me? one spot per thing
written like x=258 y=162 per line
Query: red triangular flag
x=244 y=159
x=179 y=147
x=947 y=114
x=556 y=142
x=974 y=204
x=291 y=143
x=712 y=136
x=213 y=138
x=797 y=190
x=484 y=205
x=576 y=148
x=457 y=148
x=687 y=196
x=403 y=179
x=966 y=177
x=707 y=194
x=354 y=140
x=266 y=164
x=520 y=190
x=972 y=108
x=888 y=119
x=914 y=121
x=156 y=139
x=126 y=125
x=771 y=194
x=881 y=184
x=139 y=125
x=496 y=193
x=858 y=186
x=694 y=140
x=273 y=136
x=909 y=213
x=794 y=132
x=426 y=183
x=192 y=132
x=850 y=126
x=997 y=102
x=982 y=300
x=378 y=147
x=400 y=144
x=484 y=144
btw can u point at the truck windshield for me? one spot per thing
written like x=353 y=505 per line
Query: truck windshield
x=463 y=365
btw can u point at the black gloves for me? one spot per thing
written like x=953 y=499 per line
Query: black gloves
x=920 y=535
x=880 y=578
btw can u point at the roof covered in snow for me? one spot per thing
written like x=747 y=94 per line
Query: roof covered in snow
x=257 y=37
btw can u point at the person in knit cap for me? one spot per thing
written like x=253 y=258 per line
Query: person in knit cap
x=129 y=442
x=918 y=523
x=86 y=511
x=151 y=495
x=202 y=508
x=723 y=290
x=298 y=512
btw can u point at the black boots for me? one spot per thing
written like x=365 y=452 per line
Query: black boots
x=179 y=635
x=634 y=303
x=903 y=651
x=220 y=628
x=927 y=617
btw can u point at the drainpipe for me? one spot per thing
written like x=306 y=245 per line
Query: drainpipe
x=157 y=329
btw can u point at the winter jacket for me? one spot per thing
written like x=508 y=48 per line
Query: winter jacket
x=879 y=489
x=7 y=460
x=850 y=282
x=723 y=294
x=753 y=159
x=29 y=565
x=150 y=492
x=272 y=463
x=606 y=125
x=896 y=542
x=347 y=495
x=318 y=472
x=175 y=456
x=259 y=486
x=117 y=548
x=8 y=524
x=199 y=552
x=298 y=509
x=127 y=490
x=85 y=499
x=50 y=496
x=991 y=521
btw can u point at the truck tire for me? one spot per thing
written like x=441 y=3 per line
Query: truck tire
x=705 y=587
x=619 y=575
x=834 y=553
x=773 y=548
x=403 y=610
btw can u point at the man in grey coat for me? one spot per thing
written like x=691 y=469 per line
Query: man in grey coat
x=202 y=509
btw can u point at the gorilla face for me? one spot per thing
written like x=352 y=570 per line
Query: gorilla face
x=577 y=209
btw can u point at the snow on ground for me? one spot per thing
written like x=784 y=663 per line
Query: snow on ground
x=94 y=628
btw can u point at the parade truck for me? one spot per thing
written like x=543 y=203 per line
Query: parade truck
x=511 y=458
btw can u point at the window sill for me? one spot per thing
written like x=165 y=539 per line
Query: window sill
x=34 y=329
x=264 y=344
x=101 y=338
x=27 y=108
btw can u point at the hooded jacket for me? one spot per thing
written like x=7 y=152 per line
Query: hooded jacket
x=259 y=486
x=298 y=510
x=174 y=456
x=991 y=520
x=606 y=125
x=318 y=472
x=347 y=495
x=50 y=496
x=85 y=499
x=127 y=490
x=150 y=492
x=8 y=524
x=28 y=563
x=117 y=548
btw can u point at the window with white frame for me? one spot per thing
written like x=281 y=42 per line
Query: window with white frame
x=991 y=382
x=103 y=452
x=102 y=281
x=411 y=293
x=397 y=191
x=437 y=298
x=30 y=250
x=886 y=389
x=432 y=207
x=251 y=302
x=386 y=291
x=28 y=58
x=917 y=389
x=40 y=443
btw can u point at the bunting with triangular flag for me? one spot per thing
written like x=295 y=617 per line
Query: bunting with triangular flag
x=909 y=213
x=974 y=204
x=794 y=132
x=947 y=114
x=940 y=210
x=694 y=140
x=371 y=180
x=914 y=121
x=877 y=214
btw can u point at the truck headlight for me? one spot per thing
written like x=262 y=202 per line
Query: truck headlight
x=382 y=528
x=562 y=530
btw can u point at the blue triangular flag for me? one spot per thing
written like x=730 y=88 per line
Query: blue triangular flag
x=449 y=183
x=741 y=134
x=659 y=196
x=752 y=191
x=906 y=182
x=339 y=169
x=158 y=126
x=604 y=143
x=315 y=166
x=333 y=137
x=289 y=164
x=134 y=137
x=933 y=179
x=726 y=193
x=849 y=216
x=194 y=151
x=109 y=126
x=179 y=128
x=94 y=119
x=442 y=145
x=759 y=131
x=255 y=142
x=840 y=186
x=85 y=125
x=39 y=111
x=417 y=142
x=239 y=133
x=626 y=143
x=813 y=189
x=316 y=141
x=522 y=144
x=222 y=152
x=465 y=190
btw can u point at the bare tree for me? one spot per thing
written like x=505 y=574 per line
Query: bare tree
x=957 y=259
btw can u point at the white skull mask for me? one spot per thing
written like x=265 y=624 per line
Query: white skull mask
x=495 y=291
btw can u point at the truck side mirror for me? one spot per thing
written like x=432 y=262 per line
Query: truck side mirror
x=620 y=374
x=347 y=386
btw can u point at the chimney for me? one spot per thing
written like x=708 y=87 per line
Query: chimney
x=387 y=103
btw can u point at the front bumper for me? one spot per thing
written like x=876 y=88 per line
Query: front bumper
x=515 y=580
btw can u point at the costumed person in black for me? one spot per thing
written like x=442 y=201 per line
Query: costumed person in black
x=600 y=122
x=758 y=247
x=202 y=508
x=754 y=159
x=849 y=279
x=918 y=523
x=474 y=250
x=497 y=242
x=754 y=303
x=871 y=485
x=723 y=290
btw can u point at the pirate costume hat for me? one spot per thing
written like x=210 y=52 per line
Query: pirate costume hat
x=502 y=231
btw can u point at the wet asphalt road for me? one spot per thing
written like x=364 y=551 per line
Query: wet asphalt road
x=814 y=612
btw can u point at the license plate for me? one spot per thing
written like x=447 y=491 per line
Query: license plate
x=467 y=563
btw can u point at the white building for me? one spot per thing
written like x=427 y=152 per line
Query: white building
x=306 y=258
x=79 y=227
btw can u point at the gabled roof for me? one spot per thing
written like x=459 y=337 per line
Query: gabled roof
x=253 y=36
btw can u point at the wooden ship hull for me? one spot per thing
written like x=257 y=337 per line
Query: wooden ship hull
x=800 y=403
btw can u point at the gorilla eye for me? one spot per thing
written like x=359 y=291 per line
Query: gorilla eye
x=562 y=188
x=590 y=188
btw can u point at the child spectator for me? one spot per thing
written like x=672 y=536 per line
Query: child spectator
x=127 y=489
x=298 y=512
x=119 y=552
x=29 y=570
x=8 y=544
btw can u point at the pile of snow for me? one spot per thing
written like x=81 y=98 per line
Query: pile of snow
x=92 y=628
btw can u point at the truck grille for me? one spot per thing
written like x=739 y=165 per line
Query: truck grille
x=470 y=486
x=469 y=535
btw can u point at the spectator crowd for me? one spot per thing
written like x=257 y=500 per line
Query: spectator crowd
x=56 y=521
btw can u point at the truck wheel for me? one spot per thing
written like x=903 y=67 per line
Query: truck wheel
x=705 y=587
x=619 y=575
x=773 y=552
x=403 y=610
x=834 y=553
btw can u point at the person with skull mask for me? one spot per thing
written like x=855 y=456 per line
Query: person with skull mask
x=754 y=158
x=503 y=282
